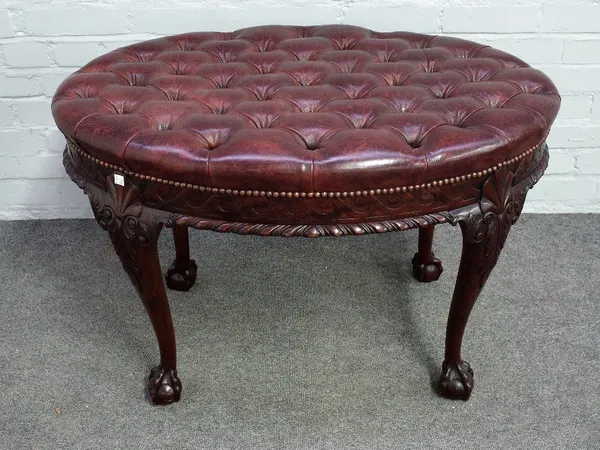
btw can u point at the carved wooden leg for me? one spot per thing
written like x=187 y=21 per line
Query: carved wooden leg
x=485 y=227
x=134 y=232
x=181 y=276
x=426 y=267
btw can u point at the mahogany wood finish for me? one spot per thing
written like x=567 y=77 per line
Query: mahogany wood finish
x=134 y=229
x=305 y=131
x=181 y=275
x=485 y=227
x=426 y=267
x=134 y=232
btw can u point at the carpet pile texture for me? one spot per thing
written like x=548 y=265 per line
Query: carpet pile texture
x=300 y=344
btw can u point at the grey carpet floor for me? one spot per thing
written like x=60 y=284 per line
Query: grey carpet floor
x=300 y=344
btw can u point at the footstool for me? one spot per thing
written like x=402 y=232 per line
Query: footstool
x=305 y=131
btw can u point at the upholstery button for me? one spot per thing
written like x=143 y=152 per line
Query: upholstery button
x=270 y=95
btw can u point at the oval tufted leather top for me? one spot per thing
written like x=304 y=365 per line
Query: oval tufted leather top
x=332 y=108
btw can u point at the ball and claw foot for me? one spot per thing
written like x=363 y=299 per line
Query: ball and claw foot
x=426 y=272
x=181 y=281
x=456 y=382
x=164 y=387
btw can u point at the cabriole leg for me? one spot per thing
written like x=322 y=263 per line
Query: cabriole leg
x=485 y=227
x=426 y=267
x=181 y=276
x=134 y=232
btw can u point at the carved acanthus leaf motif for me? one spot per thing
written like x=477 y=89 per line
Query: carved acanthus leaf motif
x=489 y=222
x=119 y=211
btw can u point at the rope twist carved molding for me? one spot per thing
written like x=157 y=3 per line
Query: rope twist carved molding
x=119 y=210
x=312 y=231
x=500 y=202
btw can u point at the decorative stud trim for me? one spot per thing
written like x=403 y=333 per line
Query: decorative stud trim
x=256 y=193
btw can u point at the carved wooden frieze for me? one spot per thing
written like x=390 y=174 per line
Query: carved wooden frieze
x=314 y=217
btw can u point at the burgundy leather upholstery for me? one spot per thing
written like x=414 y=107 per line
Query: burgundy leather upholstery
x=306 y=109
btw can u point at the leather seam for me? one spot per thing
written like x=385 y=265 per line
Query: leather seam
x=262 y=193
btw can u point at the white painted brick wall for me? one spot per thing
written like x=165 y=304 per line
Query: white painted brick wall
x=582 y=51
x=73 y=54
x=576 y=106
x=26 y=54
x=42 y=41
x=489 y=18
x=6 y=114
x=424 y=19
x=163 y=20
x=34 y=111
x=19 y=84
x=570 y=17
x=50 y=20
x=6 y=27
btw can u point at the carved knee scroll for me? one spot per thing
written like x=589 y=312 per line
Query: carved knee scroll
x=487 y=224
x=485 y=227
x=129 y=225
x=134 y=231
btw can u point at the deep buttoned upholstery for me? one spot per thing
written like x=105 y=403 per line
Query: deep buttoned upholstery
x=306 y=109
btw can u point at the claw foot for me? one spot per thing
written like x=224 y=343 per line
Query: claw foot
x=426 y=272
x=456 y=382
x=164 y=386
x=181 y=280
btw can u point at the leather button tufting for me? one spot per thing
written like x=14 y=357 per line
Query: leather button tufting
x=331 y=109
